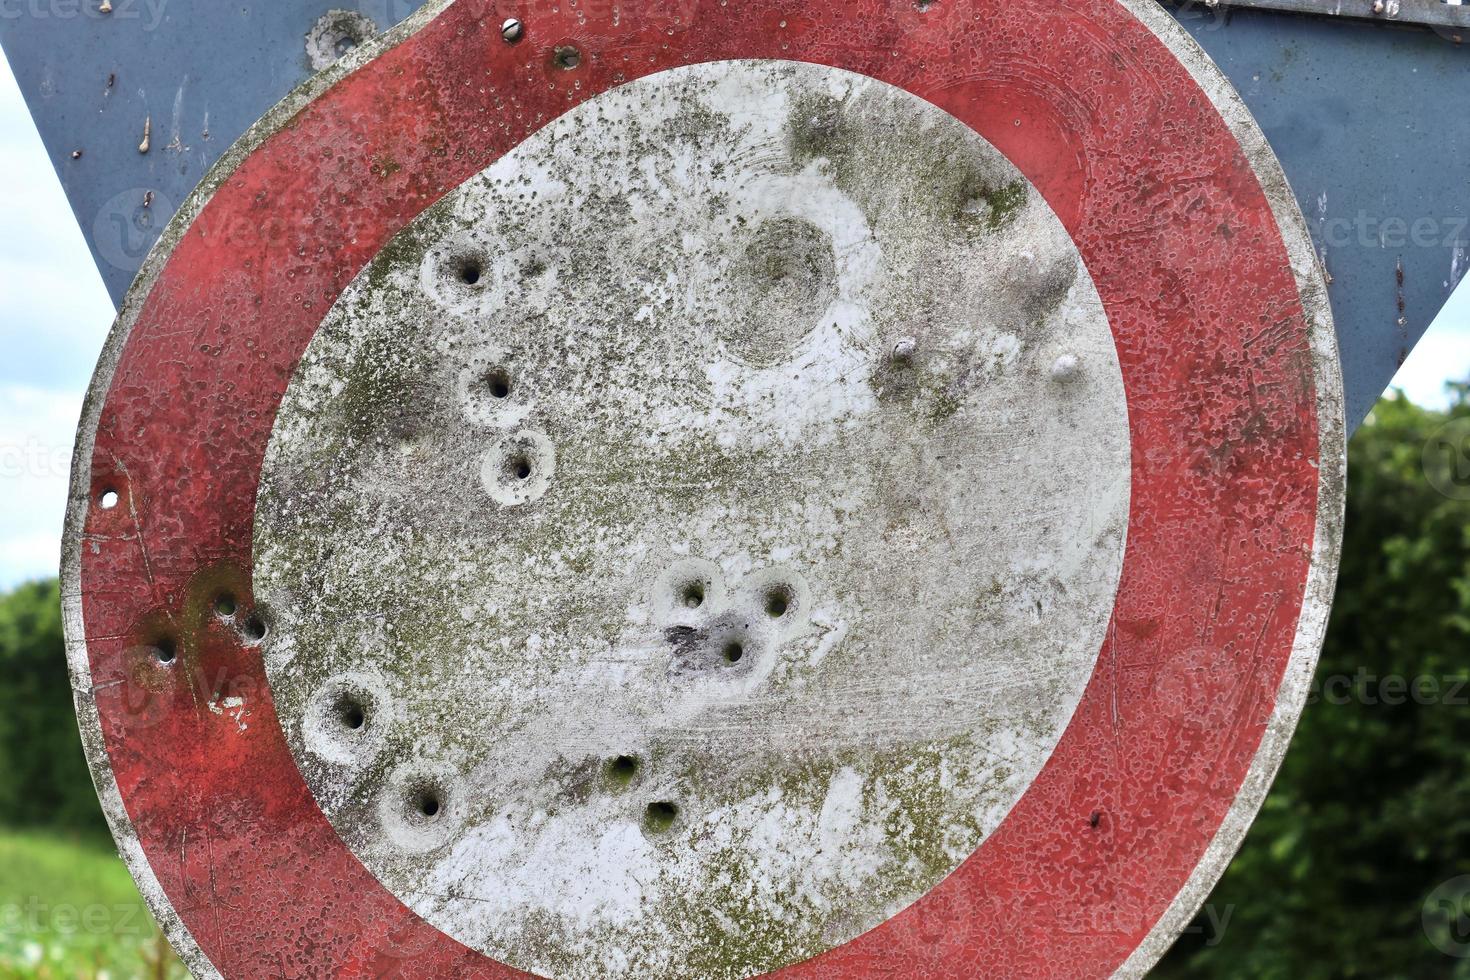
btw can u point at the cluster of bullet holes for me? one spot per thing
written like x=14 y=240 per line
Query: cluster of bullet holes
x=247 y=623
x=713 y=637
x=346 y=723
x=659 y=816
x=519 y=468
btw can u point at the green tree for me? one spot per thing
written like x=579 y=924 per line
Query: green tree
x=43 y=776
x=1372 y=808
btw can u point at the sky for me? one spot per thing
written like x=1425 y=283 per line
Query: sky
x=55 y=314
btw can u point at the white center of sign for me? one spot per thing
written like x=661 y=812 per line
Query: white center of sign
x=689 y=539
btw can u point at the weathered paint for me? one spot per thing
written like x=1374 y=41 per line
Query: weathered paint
x=1225 y=352
x=486 y=503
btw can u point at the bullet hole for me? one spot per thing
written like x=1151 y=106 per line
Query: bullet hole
x=734 y=652
x=225 y=605
x=519 y=469
x=512 y=31
x=623 y=769
x=253 y=629
x=165 y=649
x=693 y=595
x=660 y=817
x=109 y=499
x=351 y=713
x=778 y=602
x=497 y=384
x=1096 y=819
x=568 y=57
x=426 y=803
x=335 y=34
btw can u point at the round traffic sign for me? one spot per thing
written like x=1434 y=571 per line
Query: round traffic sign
x=711 y=491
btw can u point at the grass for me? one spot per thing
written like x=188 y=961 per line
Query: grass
x=69 y=911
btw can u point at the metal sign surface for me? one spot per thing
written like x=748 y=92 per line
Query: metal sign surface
x=586 y=493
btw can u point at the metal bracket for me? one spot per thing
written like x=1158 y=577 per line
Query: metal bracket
x=1432 y=13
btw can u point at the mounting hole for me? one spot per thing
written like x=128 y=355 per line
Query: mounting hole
x=733 y=652
x=165 y=650
x=519 y=466
x=470 y=272
x=568 y=57
x=512 y=30
x=778 y=602
x=225 y=605
x=660 y=817
x=109 y=499
x=693 y=595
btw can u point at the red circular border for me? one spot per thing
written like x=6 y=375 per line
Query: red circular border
x=1213 y=342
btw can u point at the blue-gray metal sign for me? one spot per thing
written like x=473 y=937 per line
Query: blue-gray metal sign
x=136 y=99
